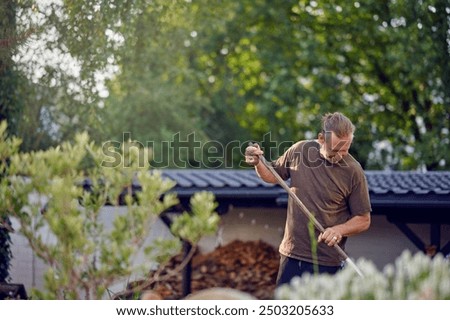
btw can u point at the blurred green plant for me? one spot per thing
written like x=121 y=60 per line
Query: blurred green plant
x=61 y=216
x=8 y=148
x=314 y=242
x=410 y=277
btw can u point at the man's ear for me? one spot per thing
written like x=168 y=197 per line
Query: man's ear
x=321 y=138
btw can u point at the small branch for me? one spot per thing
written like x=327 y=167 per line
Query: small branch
x=157 y=276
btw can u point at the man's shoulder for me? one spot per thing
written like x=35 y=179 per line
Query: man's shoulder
x=353 y=162
x=303 y=148
x=354 y=165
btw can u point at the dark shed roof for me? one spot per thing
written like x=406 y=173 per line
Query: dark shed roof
x=398 y=193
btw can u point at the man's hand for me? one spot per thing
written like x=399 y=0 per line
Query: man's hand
x=252 y=153
x=330 y=236
x=355 y=225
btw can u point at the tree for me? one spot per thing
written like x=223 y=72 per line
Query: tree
x=155 y=98
x=59 y=68
x=384 y=63
x=77 y=54
x=240 y=69
x=55 y=57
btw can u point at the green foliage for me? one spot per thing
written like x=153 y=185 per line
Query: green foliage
x=314 y=243
x=10 y=100
x=156 y=96
x=384 y=63
x=234 y=71
x=411 y=277
x=64 y=222
x=202 y=220
x=60 y=68
x=161 y=251
x=7 y=149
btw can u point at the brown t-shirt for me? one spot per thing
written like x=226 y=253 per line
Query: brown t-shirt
x=333 y=193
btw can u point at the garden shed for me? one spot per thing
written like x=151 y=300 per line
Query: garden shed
x=409 y=205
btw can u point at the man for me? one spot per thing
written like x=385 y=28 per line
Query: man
x=332 y=185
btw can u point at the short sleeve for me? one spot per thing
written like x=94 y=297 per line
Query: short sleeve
x=283 y=164
x=359 y=200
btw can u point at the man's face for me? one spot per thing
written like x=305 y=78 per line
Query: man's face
x=334 y=148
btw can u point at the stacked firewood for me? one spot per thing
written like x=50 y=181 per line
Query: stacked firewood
x=249 y=266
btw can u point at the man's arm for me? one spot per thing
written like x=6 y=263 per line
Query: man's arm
x=252 y=154
x=353 y=226
x=264 y=173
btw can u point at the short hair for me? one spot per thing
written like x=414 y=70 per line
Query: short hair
x=338 y=123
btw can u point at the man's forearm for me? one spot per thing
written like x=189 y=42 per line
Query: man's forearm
x=355 y=225
x=265 y=173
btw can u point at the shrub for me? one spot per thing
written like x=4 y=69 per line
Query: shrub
x=410 y=277
x=8 y=147
x=45 y=191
